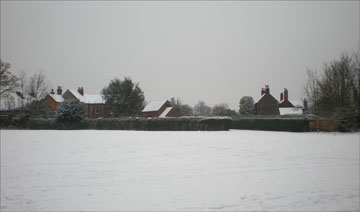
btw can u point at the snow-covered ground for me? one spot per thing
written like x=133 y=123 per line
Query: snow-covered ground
x=128 y=170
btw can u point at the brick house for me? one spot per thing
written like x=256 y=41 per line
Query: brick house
x=54 y=99
x=159 y=109
x=267 y=104
x=94 y=103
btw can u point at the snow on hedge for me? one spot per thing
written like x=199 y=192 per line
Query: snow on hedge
x=90 y=170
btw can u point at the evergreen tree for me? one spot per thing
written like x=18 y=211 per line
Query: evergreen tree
x=124 y=97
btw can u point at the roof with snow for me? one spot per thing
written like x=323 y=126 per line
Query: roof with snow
x=56 y=97
x=165 y=112
x=88 y=98
x=290 y=111
x=154 y=106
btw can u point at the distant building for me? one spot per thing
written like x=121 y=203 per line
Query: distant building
x=95 y=104
x=284 y=99
x=267 y=104
x=159 y=109
x=54 y=99
x=287 y=107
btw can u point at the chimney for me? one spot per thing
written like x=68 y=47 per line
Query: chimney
x=267 y=89
x=286 y=94
x=59 y=90
x=262 y=91
x=281 y=96
x=52 y=91
x=81 y=91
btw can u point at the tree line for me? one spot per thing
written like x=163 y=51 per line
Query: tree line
x=333 y=91
x=125 y=97
x=29 y=90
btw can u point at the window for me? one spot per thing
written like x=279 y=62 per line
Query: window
x=96 y=109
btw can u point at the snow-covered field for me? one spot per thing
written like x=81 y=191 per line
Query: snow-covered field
x=128 y=170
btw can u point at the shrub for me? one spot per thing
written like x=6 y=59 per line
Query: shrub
x=71 y=110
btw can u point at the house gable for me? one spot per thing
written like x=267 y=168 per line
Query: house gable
x=53 y=100
x=267 y=104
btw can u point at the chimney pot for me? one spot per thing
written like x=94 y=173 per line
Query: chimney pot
x=81 y=91
x=267 y=89
x=59 y=90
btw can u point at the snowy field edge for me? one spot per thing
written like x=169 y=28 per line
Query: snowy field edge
x=236 y=170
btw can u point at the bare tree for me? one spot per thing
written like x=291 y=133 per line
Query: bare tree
x=311 y=89
x=8 y=81
x=8 y=101
x=38 y=86
x=335 y=92
x=222 y=110
x=21 y=93
x=201 y=109
x=182 y=109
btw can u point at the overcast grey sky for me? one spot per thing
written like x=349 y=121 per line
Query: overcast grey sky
x=206 y=50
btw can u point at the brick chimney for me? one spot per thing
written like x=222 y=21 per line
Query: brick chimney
x=52 y=91
x=262 y=91
x=81 y=91
x=59 y=90
x=281 y=96
x=286 y=97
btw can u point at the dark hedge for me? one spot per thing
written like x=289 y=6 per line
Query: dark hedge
x=290 y=125
x=149 y=124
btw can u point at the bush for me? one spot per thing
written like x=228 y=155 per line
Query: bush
x=71 y=110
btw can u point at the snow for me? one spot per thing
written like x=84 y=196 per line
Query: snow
x=154 y=106
x=290 y=111
x=166 y=111
x=57 y=98
x=237 y=170
x=94 y=99
x=88 y=98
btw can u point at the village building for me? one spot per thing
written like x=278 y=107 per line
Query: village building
x=287 y=107
x=284 y=99
x=159 y=109
x=53 y=99
x=267 y=104
x=95 y=104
